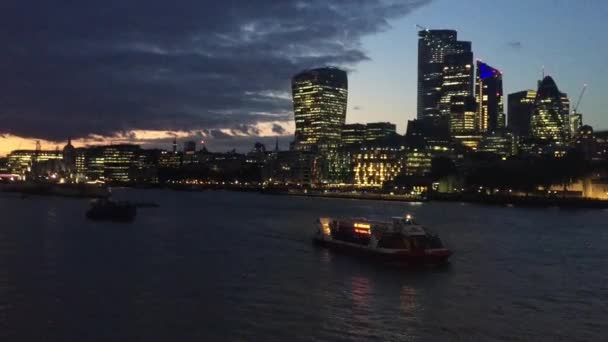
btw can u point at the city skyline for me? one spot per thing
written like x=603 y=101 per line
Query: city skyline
x=365 y=102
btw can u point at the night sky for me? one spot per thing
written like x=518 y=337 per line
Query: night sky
x=219 y=71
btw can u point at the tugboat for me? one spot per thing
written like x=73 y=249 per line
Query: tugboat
x=106 y=210
x=400 y=239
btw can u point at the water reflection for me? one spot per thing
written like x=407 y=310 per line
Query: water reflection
x=408 y=301
x=360 y=291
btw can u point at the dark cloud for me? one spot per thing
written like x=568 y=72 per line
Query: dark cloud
x=278 y=129
x=515 y=45
x=73 y=68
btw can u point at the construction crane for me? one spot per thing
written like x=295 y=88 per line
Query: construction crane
x=421 y=27
x=580 y=98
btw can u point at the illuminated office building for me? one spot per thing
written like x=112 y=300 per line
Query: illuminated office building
x=433 y=48
x=4 y=165
x=502 y=143
x=462 y=117
x=587 y=144
x=376 y=164
x=418 y=162
x=169 y=160
x=576 y=122
x=20 y=162
x=379 y=130
x=463 y=123
x=81 y=163
x=319 y=102
x=490 y=98
x=120 y=162
x=550 y=121
x=521 y=108
x=95 y=164
x=457 y=79
x=359 y=133
x=353 y=134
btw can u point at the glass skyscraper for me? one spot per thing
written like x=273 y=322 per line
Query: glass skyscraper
x=457 y=77
x=521 y=108
x=433 y=48
x=550 y=121
x=319 y=103
x=490 y=98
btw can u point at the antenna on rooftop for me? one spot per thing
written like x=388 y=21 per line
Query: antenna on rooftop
x=543 y=73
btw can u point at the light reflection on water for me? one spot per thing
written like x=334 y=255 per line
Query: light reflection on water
x=220 y=266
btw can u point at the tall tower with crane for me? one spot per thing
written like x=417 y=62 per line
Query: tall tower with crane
x=576 y=118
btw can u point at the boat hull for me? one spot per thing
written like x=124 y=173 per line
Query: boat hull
x=427 y=257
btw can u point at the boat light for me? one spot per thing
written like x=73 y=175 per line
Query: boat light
x=363 y=225
x=326 y=229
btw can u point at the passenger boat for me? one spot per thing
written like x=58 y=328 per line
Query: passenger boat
x=400 y=239
x=106 y=210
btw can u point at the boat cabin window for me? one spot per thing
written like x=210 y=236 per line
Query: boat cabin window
x=425 y=242
x=404 y=222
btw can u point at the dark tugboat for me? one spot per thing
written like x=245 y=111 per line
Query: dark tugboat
x=106 y=210
x=401 y=239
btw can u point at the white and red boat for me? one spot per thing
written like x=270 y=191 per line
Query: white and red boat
x=400 y=239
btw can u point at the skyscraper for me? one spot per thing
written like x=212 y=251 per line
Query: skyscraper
x=490 y=98
x=319 y=103
x=462 y=118
x=576 y=122
x=457 y=76
x=433 y=47
x=521 y=108
x=463 y=124
x=550 y=121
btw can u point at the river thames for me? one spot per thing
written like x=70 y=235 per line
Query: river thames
x=227 y=266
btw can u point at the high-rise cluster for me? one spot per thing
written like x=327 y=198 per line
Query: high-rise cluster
x=449 y=93
x=465 y=103
x=444 y=68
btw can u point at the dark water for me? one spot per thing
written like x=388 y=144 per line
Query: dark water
x=220 y=266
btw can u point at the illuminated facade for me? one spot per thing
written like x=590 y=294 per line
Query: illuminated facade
x=418 y=162
x=353 y=134
x=463 y=123
x=587 y=144
x=462 y=115
x=379 y=130
x=457 y=79
x=550 y=121
x=94 y=164
x=20 y=162
x=576 y=122
x=319 y=102
x=502 y=143
x=120 y=163
x=521 y=108
x=359 y=133
x=433 y=47
x=3 y=165
x=490 y=98
x=293 y=168
x=170 y=159
x=375 y=165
